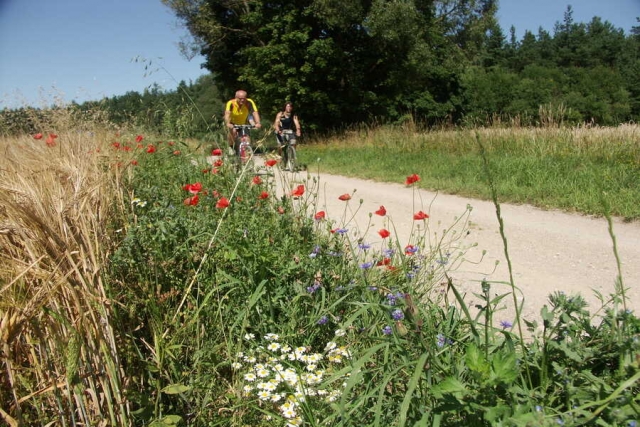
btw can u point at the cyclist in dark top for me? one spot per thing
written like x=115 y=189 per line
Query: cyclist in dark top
x=286 y=120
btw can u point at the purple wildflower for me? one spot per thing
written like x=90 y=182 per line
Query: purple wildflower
x=397 y=314
x=441 y=340
x=505 y=324
x=387 y=330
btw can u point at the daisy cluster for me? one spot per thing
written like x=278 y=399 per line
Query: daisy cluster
x=287 y=376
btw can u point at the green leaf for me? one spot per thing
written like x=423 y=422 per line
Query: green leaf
x=175 y=389
x=504 y=367
x=168 y=421
x=476 y=361
x=413 y=383
x=450 y=385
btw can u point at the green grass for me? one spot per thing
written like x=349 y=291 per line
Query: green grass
x=191 y=294
x=564 y=169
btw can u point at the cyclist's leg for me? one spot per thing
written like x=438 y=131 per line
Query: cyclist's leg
x=232 y=135
x=291 y=154
x=279 y=140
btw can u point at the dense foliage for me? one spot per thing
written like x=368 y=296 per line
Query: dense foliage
x=148 y=283
x=434 y=61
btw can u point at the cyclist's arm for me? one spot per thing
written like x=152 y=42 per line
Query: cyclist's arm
x=297 y=123
x=276 y=123
x=256 y=119
x=227 y=115
x=253 y=111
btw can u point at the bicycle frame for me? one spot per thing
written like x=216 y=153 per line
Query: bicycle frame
x=289 y=149
x=242 y=146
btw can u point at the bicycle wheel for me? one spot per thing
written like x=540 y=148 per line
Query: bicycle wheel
x=291 y=158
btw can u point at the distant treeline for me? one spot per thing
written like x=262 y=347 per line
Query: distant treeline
x=444 y=62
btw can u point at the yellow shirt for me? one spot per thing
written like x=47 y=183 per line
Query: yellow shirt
x=239 y=114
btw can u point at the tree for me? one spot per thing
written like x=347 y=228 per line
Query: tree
x=341 y=62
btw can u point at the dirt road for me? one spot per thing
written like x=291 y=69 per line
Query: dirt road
x=549 y=250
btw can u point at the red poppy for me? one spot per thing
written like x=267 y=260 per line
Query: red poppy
x=171 y=143
x=384 y=261
x=223 y=202
x=115 y=144
x=37 y=136
x=134 y=162
x=139 y=138
x=51 y=139
x=420 y=215
x=345 y=197
x=410 y=249
x=382 y=211
x=411 y=179
x=191 y=201
x=218 y=163
x=216 y=152
x=271 y=162
x=214 y=171
x=256 y=180
x=193 y=188
x=280 y=210
x=299 y=191
x=205 y=171
x=126 y=148
x=151 y=149
x=384 y=233
x=176 y=153
x=263 y=195
x=319 y=215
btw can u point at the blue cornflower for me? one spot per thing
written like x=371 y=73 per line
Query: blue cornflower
x=341 y=231
x=397 y=314
x=364 y=246
x=366 y=265
x=372 y=288
x=391 y=299
x=441 y=340
x=559 y=421
x=314 y=287
x=387 y=330
x=538 y=408
x=505 y=324
x=388 y=252
x=633 y=423
x=322 y=320
x=411 y=249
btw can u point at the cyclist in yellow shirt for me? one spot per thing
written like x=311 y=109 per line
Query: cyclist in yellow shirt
x=240 y=111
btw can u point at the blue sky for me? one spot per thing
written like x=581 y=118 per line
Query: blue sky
x=86 y=49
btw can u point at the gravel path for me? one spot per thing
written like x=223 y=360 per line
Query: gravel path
x=549 y=250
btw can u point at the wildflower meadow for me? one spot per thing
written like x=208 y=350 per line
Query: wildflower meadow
x=149 y=281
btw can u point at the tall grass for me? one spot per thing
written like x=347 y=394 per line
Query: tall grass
x=553 y=168
x=59 y=349
x=177 y=291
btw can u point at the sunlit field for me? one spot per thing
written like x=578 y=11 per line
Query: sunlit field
x=590 y=170
x=151 y=281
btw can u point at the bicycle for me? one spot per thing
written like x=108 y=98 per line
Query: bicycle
x=242 y=145
x=289 y=159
